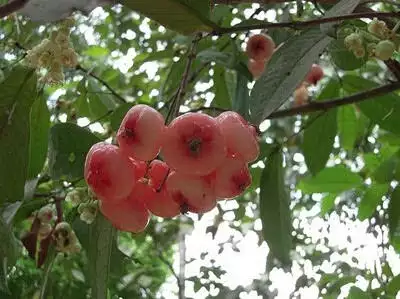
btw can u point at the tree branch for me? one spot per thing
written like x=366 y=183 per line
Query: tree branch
x=11 y=7
x=324 y=106
x=304 y=24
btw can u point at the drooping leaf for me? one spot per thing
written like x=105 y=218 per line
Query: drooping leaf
x=394 y=219
x=327 y=204
x=357 y=293
x=286 y=69
x=274 y=209
x=178 y=15
x=383 y=110
x=347 y=126
x=40 y=125
x=69 y=145
x=101 y=240
x=342 y=8
x=241 y=102
x=322 y=126
x=333 y=179
x=370 y=200
x=222 y=98
x=18 y=92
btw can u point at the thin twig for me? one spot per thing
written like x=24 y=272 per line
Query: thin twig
x=102 y=81
x=304 y=24
x=326 y=105
x=174 y=109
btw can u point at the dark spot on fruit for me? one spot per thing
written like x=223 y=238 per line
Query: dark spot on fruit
x=194 y=147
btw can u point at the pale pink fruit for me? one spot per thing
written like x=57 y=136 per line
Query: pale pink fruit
x=315 y=74
x=141 y=132
x=260 y=47
x=232 y=178
x=108 y=172
x=300 y=95
x=162 y=204
x=192 y=193
x=256 y=67
x=127 y=215
x=240 y=137
x=194 y=144
x=158 y=172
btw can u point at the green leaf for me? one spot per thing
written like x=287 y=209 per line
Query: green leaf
x=383 y=110
x=178 y=15
x=9 y=251
x=356 y=293
x=370 y=200
x=274 y=209
x=222 y=98
x=286 y=69
x=101 y=238
x=393 y=287
x=39 y=139
x=339 y=9
x=347 y=126
x=333 y=179
x=327 y=204
x=18 y=92
x=241 y=101
x=322 y=126
x=69 y=145
x=394 y=219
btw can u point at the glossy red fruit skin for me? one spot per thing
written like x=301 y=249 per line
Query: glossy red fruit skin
x=108 y=172
x=260 y=47
x=315 y=74
x=140 y=167
x=232 y=178
x=141 y=133
x=240 y=137
x=194 y=144
x=157 y=173
x=193 y=194
x=128 y=215
x=256 y=67
x=162 y=204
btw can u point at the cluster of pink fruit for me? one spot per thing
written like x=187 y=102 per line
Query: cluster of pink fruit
x=204 y=159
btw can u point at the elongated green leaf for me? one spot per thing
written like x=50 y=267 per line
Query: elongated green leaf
x=347 y=126
x=101 y=240
x=356 y=293
x=241 y=101
x=18 y=92
x=69 y=145
x=370 y=200
x=274 y=209
x=178 y=15
x=286 y=69
x=322 y=126
x=39 y=139
x=383 y=110
x=222 y=98
x=333 y=179
x=394 y=219
x=341 y=8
